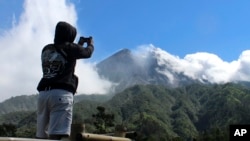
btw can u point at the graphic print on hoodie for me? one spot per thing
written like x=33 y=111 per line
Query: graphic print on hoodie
x=53 y=62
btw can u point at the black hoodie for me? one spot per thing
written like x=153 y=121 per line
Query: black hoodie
x=59 y=60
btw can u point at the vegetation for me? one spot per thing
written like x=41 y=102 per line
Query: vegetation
x=8 y=130
x=19 y=103
x=103 y=121
x=194 y=112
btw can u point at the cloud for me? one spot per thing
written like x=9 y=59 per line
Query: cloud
x=89 y=80
x=202 y=65
x=243 y=67
x=22 y=45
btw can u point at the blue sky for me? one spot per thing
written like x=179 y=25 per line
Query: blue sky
x=179 y=27
x=182 y=27
x=200 y=38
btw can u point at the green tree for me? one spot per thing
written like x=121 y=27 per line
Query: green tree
x=26 y=132
x=8 y=130
x=103 y=121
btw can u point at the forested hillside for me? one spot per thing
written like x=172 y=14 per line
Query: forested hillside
x=197 y=111
x=18 y=103
x=29 y=103
x=185 y=112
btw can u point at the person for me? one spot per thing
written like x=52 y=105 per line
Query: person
x=59 y=83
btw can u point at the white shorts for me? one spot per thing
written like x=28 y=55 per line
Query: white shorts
x=54 y=113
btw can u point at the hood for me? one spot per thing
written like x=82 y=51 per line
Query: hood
x=64 y=33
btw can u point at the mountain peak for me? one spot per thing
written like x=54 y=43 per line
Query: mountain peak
x=125 y=50
x=122 y=53
x=126 y=68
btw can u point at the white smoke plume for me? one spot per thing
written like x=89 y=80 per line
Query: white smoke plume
x=203 y=66
x=22 y=44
